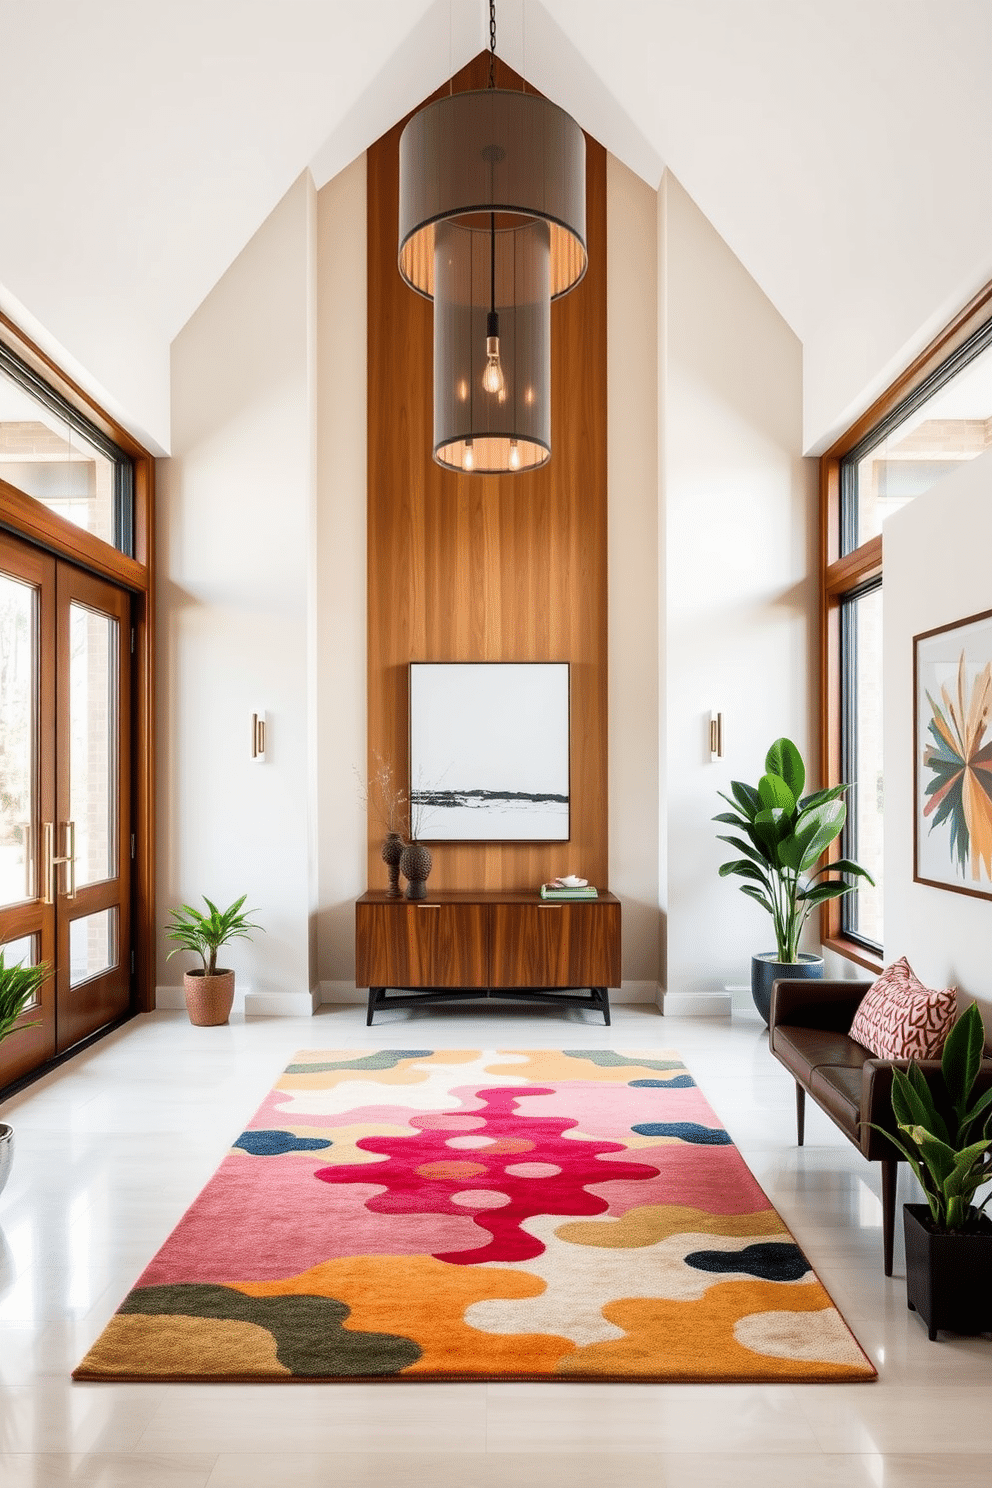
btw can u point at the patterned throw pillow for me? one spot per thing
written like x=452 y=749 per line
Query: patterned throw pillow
x=899 y=1018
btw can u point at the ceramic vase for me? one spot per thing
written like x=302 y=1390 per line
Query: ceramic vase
x=415 y=865
x=392 y=851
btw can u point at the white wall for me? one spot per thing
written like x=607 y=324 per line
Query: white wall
x=235 y=512
x=740 y=518
x=632 y=546
x=936 y=571
x=338 y=579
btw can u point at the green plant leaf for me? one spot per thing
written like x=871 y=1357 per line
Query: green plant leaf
x=762 y=899
x=774 y=792
x=731 y=819
x=785 y=761
x=742 y=868
x=752 y=850
x=819 y=798
x=843 y=865
x=822 y=892
x=771 y=826
x=962 y=1057
x=913 y=1103
x=747 y=798
x=816 y=829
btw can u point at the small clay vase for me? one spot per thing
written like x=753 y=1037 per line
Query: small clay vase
x=392 y=851
x=415 y=865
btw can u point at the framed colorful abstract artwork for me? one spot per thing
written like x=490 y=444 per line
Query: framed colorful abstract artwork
x=952 y=683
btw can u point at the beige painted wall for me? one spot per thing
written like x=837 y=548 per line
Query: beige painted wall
x=234 y=519
x=633 y=617
x=740 y=596
x=936 y=572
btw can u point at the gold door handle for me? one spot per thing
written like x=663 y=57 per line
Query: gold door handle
x=48 y=862
x=69 y=860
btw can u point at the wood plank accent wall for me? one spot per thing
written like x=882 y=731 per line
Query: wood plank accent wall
x=475 y=568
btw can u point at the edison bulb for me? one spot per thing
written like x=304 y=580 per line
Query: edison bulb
x=469 y=461
x=492 y=379
x=514 y=455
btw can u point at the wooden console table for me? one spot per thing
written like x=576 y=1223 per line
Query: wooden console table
x=453 y=946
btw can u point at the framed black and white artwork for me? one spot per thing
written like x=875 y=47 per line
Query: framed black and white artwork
x=489 y=751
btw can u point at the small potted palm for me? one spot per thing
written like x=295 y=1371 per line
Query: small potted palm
x=783 y=835
x=209 y=990
x=945 y=1134
x=18 y=988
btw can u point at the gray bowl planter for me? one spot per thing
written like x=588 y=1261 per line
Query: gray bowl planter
x=6 y=1152
x=766 y=969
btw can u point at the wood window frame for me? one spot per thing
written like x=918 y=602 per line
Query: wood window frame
x=31 y=520
x=840 y=573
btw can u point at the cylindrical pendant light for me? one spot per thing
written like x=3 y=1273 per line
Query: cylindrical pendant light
x=492 y=224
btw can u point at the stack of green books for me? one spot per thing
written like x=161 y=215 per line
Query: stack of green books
x=558 y=889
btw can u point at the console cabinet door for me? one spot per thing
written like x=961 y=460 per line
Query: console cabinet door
x=411 y=944
x=555 y=945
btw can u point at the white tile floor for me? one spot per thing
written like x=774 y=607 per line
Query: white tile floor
x=112 y=1148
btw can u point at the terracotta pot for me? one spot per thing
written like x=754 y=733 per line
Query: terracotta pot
x=209 y=999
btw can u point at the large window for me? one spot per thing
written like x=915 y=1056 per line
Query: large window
x=50 y=451
x=937 y=416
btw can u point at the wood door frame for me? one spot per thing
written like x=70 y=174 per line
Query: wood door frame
x=29 y=519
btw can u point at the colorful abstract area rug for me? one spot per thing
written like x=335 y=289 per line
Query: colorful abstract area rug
x=437 y=1215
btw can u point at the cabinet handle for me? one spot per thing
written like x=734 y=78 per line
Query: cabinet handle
x=428 y=906
x=549 y=906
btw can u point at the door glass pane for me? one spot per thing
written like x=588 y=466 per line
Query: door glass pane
x=45 y=457
x=22 y=952
x=862 y=911
x=92 y=945
x=18 y=742
x=93 y=705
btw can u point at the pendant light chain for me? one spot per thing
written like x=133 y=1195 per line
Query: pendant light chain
x=492 y=43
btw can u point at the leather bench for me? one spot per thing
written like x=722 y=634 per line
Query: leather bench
x=809 y=1032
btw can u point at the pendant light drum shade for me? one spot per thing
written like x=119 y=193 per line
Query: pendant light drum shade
x=488 y=151
x=475 y=430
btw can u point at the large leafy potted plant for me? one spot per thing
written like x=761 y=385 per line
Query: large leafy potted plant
x=783 y=835
x=18 y=987
x=945 y=1134
x=209 y=991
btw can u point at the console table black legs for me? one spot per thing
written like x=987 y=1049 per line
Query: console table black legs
x=598 y=998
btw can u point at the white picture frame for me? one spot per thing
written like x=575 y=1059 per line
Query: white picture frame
x=489 y=751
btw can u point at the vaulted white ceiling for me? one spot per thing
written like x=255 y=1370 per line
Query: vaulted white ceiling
x=843 y=149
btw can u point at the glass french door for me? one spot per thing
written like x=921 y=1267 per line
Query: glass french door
x=65 y=837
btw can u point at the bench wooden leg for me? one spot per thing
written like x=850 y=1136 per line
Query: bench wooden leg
x=890 y=1174
x=800 y=1113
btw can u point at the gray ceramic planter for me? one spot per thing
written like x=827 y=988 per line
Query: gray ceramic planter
x=6 y=1152
x=765 y=970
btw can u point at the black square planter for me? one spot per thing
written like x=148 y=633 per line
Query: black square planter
x=948 y=1277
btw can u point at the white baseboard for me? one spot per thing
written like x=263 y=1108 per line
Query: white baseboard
x=252 y=1004
x=696 y=1005
x=280 y=1004
x=170 y=997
